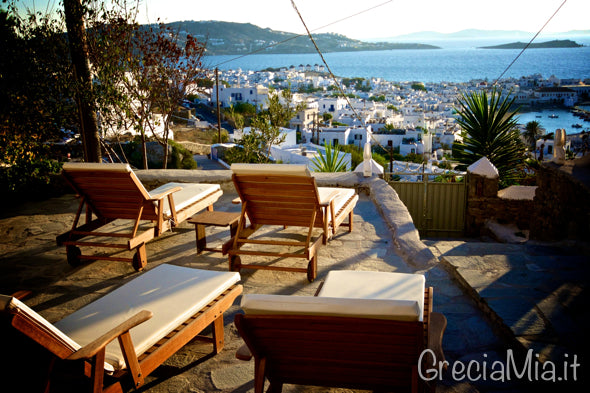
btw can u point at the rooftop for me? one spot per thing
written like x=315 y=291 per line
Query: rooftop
x=495 y=296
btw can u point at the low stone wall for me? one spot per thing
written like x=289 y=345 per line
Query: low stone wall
x=504 y=211
x=196 y=148
x=386 y=200
x=484 y=204
x=562 y=202
x=559 y=210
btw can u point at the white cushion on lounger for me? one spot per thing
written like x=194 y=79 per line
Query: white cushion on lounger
x=172 y=293
x=400 y=310
x=270 y=169
x=190 y=193
x=12 y=303
x=343 y=195
x=375 y=285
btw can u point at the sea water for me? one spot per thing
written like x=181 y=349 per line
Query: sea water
x=553 y=118
x=458 y=61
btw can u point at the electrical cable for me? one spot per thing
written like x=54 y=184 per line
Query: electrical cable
x=529 y=44
x=301 y=35
x=332 y=74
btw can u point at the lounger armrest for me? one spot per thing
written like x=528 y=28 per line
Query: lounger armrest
x=162 y=194
x=21 y=294
x=95 y=346
x=326 y=202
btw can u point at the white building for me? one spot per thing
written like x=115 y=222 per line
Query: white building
x=331 y=105
x=305 y=119
x=304 y=154
x=564 y=95
x=257 y=96
x=343 y=135
x=547 y=146
x=290 y=135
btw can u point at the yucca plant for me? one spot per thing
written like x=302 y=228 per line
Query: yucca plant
x=330 y=161
x=489 y=130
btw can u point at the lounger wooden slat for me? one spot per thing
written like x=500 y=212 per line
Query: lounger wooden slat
x=362 y=330
x=285 y=195
x=347 y=355
x=111 y=192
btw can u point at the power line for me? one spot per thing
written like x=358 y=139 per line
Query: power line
x=331 y=73
x=530 y=42
x=301 y=35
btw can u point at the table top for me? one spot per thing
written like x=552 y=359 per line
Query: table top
x=215 y=218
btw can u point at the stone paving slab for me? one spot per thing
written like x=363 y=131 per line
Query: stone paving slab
x=537 y=293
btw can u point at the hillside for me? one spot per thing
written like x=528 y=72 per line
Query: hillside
x=228 y=38
x=547 y=44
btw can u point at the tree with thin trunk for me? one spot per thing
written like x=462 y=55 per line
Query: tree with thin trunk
x=74 y=17
x=143 y=74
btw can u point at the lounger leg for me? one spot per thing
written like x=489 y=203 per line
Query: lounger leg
x=47 y=382
x=97 y=371
x=312 y=268
x=350 y=215
x=218 y=337
x=259 y=370
x=140 y=258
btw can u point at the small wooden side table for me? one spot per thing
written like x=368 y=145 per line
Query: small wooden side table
x=218 y=219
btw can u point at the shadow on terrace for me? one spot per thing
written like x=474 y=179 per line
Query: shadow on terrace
x=384 y=239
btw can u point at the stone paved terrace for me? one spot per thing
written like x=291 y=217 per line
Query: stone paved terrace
x=496 y=297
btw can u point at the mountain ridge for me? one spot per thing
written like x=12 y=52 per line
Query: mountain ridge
x=231 y=38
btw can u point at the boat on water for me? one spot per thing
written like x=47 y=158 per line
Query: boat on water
x=577 y=125
x=553 y=116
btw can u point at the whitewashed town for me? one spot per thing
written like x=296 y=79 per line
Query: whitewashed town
x=410 y=117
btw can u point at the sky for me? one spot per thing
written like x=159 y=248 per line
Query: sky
x=370 y=19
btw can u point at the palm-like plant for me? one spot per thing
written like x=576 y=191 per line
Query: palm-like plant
x=489 y=130
x=330 y=161
x=533 y=131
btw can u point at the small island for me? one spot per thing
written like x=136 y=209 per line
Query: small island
x=547 y=44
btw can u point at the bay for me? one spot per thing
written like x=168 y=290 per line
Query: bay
x=553 y=118
x=459 y=61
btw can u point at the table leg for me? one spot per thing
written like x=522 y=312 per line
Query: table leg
x=201 y=239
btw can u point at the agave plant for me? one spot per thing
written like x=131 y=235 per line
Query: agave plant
x=489 y=130
x=330 y=161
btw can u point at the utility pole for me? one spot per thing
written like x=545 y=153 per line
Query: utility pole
x=218 y=110
x=313 y=128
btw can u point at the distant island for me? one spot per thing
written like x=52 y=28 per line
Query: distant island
x=547 y=44
x=229 y=38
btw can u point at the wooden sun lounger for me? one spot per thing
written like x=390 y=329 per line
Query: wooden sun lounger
x=113 y=191
x=363 y=342
x=134 y=329
x=287 y=195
